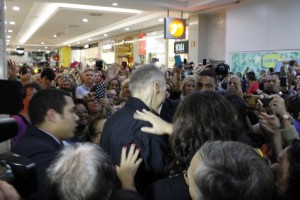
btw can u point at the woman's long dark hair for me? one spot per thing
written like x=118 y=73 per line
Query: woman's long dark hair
x=200 y=117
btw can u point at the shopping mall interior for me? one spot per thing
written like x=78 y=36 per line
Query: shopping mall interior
x=243 y=33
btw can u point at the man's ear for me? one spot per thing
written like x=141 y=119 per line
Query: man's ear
x=51 y=115
x=155 y=87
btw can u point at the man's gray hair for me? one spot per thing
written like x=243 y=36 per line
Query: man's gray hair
x=81 y=171
x=232 y=170
x=143 y=77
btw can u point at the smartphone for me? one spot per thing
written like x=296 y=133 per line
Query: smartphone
x=100 y=91
x=204 y=62
x=251 y=101
x=266 y=101
x=178 y=61
x=283 y=82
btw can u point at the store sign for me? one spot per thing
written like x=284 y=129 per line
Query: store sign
x=174 y=28
x=142 y=44
x=181 y=47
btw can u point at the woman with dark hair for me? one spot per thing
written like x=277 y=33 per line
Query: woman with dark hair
x=114 y=84
x=82 y=124
x=252 y=83
x=95 y=128
x=200 y=117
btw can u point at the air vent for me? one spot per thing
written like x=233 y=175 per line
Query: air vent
x=74 y=26
x=96 y=14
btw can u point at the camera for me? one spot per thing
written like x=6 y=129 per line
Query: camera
x=222 y=69
x=15 y=169
x=20 y=172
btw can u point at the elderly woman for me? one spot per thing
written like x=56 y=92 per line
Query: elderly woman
x=234 y=86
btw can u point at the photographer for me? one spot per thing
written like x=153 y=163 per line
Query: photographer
x=279 y=118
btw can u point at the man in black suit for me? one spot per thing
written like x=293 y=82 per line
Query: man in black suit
x=53 y=119
x=148 y=88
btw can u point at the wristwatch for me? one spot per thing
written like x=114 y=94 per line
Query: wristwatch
x=285 y=116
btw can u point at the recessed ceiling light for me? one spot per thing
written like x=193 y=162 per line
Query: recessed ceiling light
x=8 y=36
x=85 y=20
x=115 y=4
x=7 y=40
x=18 y=46
x=16 y=8
x=47 y=51
x=69 y=45
x=54 y=36
x=10 y=31
x=78 y=42
x=105 y=35
x=127 y=29
x=39 y=50
x=42 y=42
x=12 y=23
x=46 y=47
x=161 y=19
x=89 y=39
x=5 y=22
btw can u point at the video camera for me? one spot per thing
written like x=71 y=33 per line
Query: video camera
x=15 y=169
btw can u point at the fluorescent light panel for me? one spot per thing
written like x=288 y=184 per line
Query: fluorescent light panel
x=52 y=8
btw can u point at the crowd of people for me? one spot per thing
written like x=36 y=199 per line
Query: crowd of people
x=142 y=133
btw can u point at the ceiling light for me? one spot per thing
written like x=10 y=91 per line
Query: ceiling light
x=115 y=4
x=39 y=50
x=10 y=31
x=7 y=40
x=47 y=51
x=78 y=42
x=18 y=46
x=8 y=36
x=54 y=36
x=69 y=45
x=85 y=20
x=46 y=47
x=49 y=11
x=127 y=29
x=42 y=42
x=89 y=39
x=16 y=8
x=161 y=19
x=105 y=35
x=5 y=22
x=12 y=23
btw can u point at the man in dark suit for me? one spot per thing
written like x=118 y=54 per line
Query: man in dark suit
x=148 y=88
x=53 y=119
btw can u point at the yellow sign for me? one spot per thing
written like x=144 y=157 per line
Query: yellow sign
x=174 y=28
x=65 y=56
x=271 y=60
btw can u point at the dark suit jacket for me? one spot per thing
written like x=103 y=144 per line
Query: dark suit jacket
x=41 y=149
x=168 y=109
x=122 y=130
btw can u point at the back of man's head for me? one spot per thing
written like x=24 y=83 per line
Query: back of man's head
x=44 y=100
x=82 y=171
x=232 y=170
x=142 y=78
x=48 y=73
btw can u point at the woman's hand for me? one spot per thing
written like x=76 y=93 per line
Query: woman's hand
x=128 y=167
x=159 y=126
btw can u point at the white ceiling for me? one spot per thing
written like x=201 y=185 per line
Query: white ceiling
x=39 y=20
